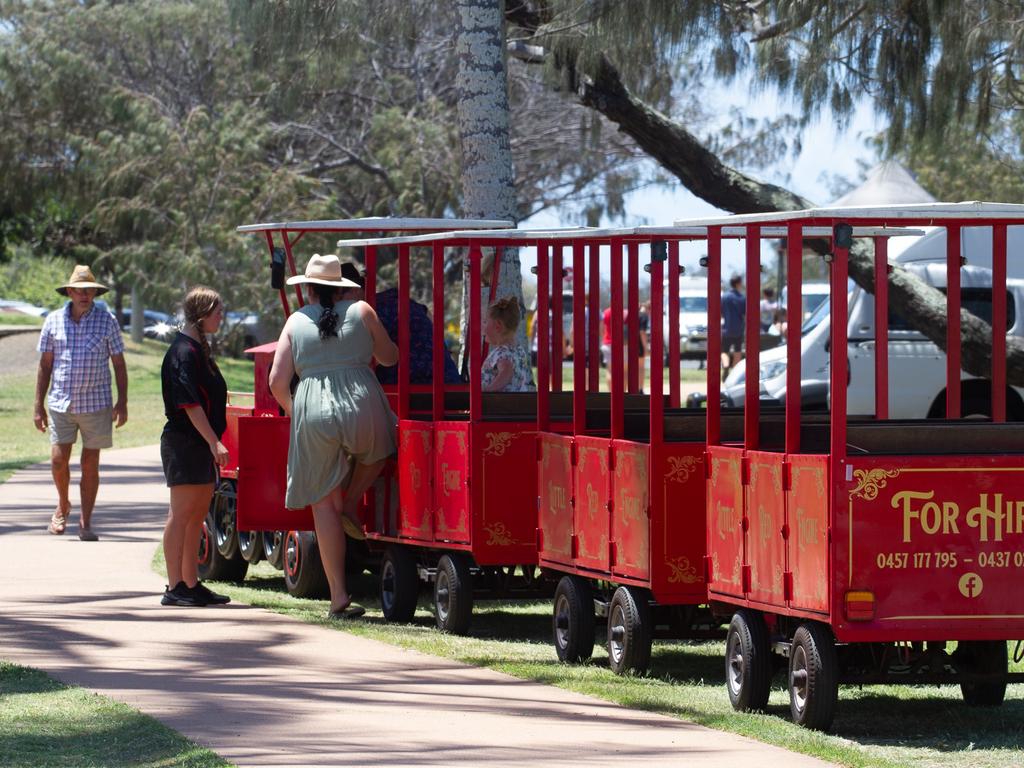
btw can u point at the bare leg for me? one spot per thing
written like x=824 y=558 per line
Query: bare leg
x=330 y=538
x=89 y=484
x=60 y=468
x=193 y=532
x=360 y=479
x=186 y=503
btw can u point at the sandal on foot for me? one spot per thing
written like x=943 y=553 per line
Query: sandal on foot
x=347 y=611
x=58 y=524
x=87 y=534
x=352 y=529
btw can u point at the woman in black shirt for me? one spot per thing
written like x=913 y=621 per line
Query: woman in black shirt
x=195 y=402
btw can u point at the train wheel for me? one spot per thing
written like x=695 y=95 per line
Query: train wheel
x=213 y=566
x=399 y=584
x=250 y=546
x=748 y=667
x=574 y=620
x=813 y=677
x=984 y=657
x=629 y=631
x=273 y=548
x=224 y=508
x=453 y=594
x=303 y=572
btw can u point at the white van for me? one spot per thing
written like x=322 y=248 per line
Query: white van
x=917 y=367
x=693 y=319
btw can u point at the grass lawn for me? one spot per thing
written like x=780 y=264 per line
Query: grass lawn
x=46 y=724
x=23 y=444
x=875 y=726
x=17 y=318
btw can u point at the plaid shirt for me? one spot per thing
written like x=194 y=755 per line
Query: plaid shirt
x=81 y=354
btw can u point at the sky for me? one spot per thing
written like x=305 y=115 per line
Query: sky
x=826 y=150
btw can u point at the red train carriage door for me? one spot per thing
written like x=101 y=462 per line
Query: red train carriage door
x=554 y=498
x=725 y=520
x=505 y=527
x=263 y=477
x=766 y=516
x=451 y=482
x=590 y=513
x=416 y=479
x=631 y=509
x=807 y=529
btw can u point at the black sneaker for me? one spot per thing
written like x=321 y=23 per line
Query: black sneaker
x=181 y=595
x=208 y=596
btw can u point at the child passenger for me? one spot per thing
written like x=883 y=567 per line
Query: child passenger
x=505 y=369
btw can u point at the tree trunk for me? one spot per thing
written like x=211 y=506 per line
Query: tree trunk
x=488 y=187
x=138 y=315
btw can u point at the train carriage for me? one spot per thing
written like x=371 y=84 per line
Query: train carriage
x=856 y=550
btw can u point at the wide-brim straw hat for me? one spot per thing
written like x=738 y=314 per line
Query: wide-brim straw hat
x=323 y=270
x=82 y=277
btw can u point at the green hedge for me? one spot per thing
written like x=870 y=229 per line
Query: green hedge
x=33 y=278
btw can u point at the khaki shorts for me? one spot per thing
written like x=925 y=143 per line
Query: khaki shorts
x=96 y=427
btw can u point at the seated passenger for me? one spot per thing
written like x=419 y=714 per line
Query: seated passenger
x=421 y=337
x=506 y=368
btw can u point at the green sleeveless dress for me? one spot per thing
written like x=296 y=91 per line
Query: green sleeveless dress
x=339 y=411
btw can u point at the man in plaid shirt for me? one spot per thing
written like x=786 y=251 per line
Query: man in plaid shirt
x=76 y=344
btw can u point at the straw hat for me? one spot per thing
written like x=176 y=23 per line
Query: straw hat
x=323 y=270
x=82 y=277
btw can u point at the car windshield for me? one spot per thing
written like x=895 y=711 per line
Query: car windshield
x=693 y=303
x=816 y=317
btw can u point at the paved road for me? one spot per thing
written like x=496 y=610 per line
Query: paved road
x=265 y=690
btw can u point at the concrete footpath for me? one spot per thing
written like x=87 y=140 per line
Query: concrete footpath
x=264 y=690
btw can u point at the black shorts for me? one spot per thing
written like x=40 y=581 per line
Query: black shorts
x=732 y=344
x=187 y=459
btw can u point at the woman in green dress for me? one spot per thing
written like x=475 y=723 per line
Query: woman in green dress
x=342 y=428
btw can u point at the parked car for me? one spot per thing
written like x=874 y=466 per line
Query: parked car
x=693 y=319
x=917 y=367
x=14 y=306
x=157 y=325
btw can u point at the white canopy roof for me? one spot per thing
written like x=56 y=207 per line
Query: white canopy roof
x=922 y=214
x=888 y=183
x=380 y=224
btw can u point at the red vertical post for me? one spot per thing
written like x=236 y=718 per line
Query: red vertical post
x=437 y=363
x=714 y=366
x=752 y=342
x=633 y=321
x=838 y=362
x=542 y=322
x=953 y=321
x=794 y=319
x=579 y=327
x=291 y=266
x=674 y=395
x=999 y=323
x=404 y=287
x=657 y=351
x=593 y=316
x=617 y=414
x=284 y=295
x=557 y=343
x=370 y=289
x=881 y=327
x=476 y=405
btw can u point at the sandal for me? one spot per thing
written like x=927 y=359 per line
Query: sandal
x=87 y=534
x=347 y=611
x=352 y=529
x=58 y=524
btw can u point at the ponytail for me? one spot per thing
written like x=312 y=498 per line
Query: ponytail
x=328 y=322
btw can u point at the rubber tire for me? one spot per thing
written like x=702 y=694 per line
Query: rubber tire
x=572 y=621
x=250 y=546
x=399 y=584
x=748 y=663
x=303 y=572
x=813 y=704
x=224 y=506
x=213 y=566
x=453 y=594
x=273 y=549
x=987 y=656
x=629 y=631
